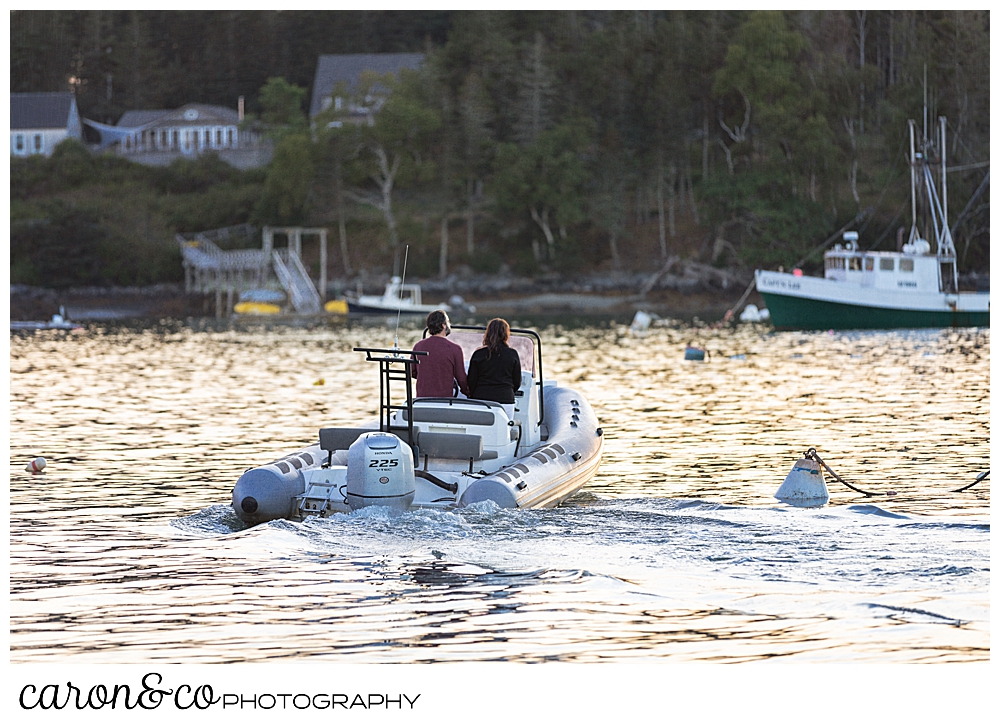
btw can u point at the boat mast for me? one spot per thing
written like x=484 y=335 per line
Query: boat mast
x=936 y=208
x=947 y=257
x=944 y=178
x=925 y=109
x=913 y=183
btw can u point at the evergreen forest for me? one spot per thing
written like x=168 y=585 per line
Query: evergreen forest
x=529 y=142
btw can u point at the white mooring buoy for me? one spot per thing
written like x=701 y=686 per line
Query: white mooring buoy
x=35 y=466
x=640 y=322
x=804 y=486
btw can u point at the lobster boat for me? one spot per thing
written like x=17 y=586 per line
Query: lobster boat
x=913 y=287
x=437 y=452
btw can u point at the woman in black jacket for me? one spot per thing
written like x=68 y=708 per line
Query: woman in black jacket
x=495 y=368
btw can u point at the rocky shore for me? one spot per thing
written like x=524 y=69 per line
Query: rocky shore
x=679 y=290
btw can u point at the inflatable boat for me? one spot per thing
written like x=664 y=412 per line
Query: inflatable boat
x=437 y=452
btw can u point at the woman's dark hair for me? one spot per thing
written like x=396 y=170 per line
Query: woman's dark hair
x=497 y=334
x=436 y=321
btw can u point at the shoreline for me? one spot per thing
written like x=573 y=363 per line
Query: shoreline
x=704 y=294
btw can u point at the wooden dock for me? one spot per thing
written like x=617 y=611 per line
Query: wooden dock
x=208 y=269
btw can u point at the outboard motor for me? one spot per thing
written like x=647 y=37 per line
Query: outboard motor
x=380 y=472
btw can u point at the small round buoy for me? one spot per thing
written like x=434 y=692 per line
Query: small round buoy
x=35 y=466
x=318 y=382
x=804 y=485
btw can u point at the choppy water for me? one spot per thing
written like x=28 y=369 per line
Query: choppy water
x=125 y=550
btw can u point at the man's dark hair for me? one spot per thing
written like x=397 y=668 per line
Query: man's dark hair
x=436 y=321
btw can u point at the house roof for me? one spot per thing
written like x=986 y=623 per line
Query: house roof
x=40 y=110
x=134 y=119
x=334 y=69
x=192 y=114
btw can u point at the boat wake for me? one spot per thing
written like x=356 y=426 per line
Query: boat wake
x=652 y=540
x=596 y=572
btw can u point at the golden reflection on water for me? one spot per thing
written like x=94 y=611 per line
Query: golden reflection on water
x=901 y=411
x=125 y=551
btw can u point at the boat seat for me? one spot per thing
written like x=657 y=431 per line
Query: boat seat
x=453 y=445
x=450 y=415
x=332 y=439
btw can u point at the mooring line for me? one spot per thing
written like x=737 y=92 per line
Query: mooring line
x=813 y=455
x=979 y=478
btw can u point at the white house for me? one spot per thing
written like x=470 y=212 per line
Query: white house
x=39 y=121
x=158 y=137
x=188 y=130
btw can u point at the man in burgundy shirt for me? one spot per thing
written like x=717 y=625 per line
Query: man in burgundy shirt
x=437 y=372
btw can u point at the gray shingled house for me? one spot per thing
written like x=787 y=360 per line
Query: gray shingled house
x=39 y=121
x=332 y=70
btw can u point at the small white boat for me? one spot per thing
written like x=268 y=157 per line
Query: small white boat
x=906 y=289
x=398 y=297
x=58 y=321
x=437 y=452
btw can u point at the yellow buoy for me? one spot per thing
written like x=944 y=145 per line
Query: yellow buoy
x=256 y=308
x=336 y=306
x=320 y=381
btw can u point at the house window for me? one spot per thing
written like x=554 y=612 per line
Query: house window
x=337 y=103
x=128 y=143
x=229 y=140
x=906 y=265
x=164 y=138
x=37 y=145
x=886 y=264
x=208 y=137
x=218 y=136
x=18 y=143
x=177 y=141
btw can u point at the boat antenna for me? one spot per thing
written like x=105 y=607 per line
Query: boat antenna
x=399 y=298
x=925 y=109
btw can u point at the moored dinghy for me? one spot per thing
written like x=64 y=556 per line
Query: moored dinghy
x=437 y=452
